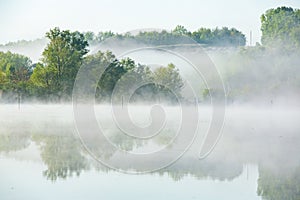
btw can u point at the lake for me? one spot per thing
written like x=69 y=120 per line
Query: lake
x=42 y=156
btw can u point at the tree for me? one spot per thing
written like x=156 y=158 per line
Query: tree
x=112 y=74
x=126 y=73
x=42 y=81
x=15 y=72
x=62 y=57
x=104 y=35
x=216 y=37
x=180 y=30
x=168 y=81
x=3 y=80
x=139 y=78
x=219 y=37
x=90 y=37
x=203 y=35
x=111 y=70
x=281 y=26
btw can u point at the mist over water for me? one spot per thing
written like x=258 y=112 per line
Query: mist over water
x=258 y=145
x=249 y=134
x=234 y=123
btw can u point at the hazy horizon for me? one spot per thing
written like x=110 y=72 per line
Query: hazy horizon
x=35 y=18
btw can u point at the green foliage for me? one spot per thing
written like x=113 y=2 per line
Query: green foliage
x=42 y=81
x=125 y=73
x=94 y=65
x=89 y=36
x=146 y=92
x=281 y=26
x=104 y=35
x=219 y=37
x=3 y=80
x=180 y=30
x=214 y=37
x=15 y=71
x=249 y=72
x=62 y=58
x=114 y=71
x=157 y=38
x=168 y=81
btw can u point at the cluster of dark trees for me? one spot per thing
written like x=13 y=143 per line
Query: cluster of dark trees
x=212 y=37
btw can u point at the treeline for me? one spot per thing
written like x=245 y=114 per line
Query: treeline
x=254 y=71
x=212 y=37
x=53 y=78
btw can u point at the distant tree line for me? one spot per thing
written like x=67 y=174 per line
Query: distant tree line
x=212 y=37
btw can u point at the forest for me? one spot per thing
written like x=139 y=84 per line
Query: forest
x=267 y=68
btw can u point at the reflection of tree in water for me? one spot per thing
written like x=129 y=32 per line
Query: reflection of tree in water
x=97 y=148
x=279 y=185
x=14 y=142
x=62 y=155
x=125 y=142
x=14 y=137
x=166 y=137
x=216 y=170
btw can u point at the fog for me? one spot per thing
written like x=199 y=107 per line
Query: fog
x=250 y=75
x=268 y=136
x=32 y=49
x=258 y=149
x=248 y=120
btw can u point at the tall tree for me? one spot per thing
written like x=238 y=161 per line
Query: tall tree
x=281 y=26
x=63 y=56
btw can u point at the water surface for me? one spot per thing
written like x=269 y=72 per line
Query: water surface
x=41 y=157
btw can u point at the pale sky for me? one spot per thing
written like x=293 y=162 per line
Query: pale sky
x=30 y=19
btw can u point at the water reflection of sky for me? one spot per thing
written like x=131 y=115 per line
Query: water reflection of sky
x=257 y=156
x=24 y=180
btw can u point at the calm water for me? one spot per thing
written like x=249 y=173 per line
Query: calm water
x=41 y=157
